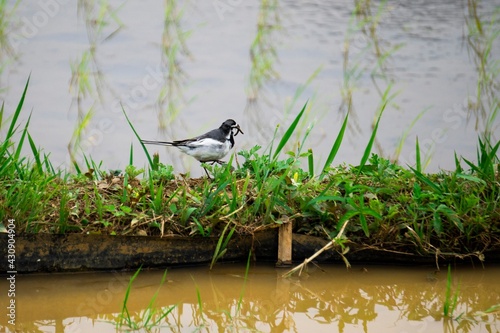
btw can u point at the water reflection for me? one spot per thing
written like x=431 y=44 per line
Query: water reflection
x=261 y=110
x=8 y=51
x=88 y=85
x=251 y=61
x=174 y=50
x=374 y=299
x=482 y=33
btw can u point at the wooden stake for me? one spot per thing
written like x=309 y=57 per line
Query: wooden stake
x=285 y=245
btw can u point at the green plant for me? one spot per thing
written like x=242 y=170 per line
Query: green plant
x=221 y=247
x=151 y=317
x=450 y=300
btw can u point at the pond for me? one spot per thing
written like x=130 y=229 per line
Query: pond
x=327 y=298
x=180 y=68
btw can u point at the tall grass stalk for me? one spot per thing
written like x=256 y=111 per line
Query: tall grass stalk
x=144 y=149
x=289 y=132
x=386 y=98
x=335 y=147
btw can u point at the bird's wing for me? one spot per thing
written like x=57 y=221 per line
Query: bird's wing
x=214 y=134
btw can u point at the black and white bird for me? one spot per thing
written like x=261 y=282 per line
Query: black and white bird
x=209 y=147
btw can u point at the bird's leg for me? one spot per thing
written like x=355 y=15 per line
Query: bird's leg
x=212 y=163
x=208 y=176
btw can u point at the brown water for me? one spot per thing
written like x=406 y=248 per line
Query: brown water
x=363 y=299
x=180 y=74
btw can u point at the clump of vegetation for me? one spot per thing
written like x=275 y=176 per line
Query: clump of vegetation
x=387 y=206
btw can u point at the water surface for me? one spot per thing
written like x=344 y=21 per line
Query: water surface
x=181 y=68
x=330 y=299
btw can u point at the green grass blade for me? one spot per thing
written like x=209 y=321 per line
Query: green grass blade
x=131 y=155
x=138 y=138
x=447 y=297
x=418 y=160
x=289 y=132
x=247 y=269
x=368 y=148
x=407 y=131
x=13 y=122
x=310 y=163
x=200 y=303
x=21 y=140
x=458 y=166
x=1 y=114
x=125 y=315
x=150 y=307
x=220 y=249
x=420 y=176
x=36 y=153
x=335 y=147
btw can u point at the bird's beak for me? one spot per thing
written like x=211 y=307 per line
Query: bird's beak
x=238 y=130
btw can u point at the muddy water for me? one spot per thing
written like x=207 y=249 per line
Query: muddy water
x=363 y=299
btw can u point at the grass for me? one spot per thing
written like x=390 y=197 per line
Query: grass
x=451 y=300
x=151 y=317
x=388 y=206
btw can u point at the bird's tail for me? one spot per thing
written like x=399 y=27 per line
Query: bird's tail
x=161 y=143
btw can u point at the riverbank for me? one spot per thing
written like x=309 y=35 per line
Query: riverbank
x=377 y=204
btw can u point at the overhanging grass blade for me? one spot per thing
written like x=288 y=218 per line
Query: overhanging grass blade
x=138 y=138
x=335 y=147
x=289 y=132
x=221 y=246
x=11 y=130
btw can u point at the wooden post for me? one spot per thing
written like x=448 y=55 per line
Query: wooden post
x=285 y=245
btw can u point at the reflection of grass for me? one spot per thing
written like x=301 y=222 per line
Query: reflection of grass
x=7 y=11
x=151 y=317
x=480 y=41
x=263 y=52
x=450 y=301
x=87 y=82
x=363 y=56
x=6 y=51
x=173 y=47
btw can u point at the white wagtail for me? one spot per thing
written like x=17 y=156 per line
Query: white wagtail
x=209 y=147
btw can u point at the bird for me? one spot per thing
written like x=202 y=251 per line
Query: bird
x=209 y=147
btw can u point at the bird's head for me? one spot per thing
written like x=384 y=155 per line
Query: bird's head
x=231 y=125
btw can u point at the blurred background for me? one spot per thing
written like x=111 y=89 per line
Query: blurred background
x=180 y=68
